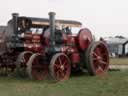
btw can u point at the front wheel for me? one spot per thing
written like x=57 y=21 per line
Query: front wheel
x=97 y=58
x=60 y=67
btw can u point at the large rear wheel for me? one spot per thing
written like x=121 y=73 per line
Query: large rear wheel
x=60 y=67
x=36 y=68
x=97 y=58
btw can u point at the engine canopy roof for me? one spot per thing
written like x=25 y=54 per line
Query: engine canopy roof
x=40 y=22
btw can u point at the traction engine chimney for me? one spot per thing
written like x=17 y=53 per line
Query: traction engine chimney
x=52 y=27
x=15 y=24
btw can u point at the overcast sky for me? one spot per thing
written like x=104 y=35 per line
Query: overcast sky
x=103 y=17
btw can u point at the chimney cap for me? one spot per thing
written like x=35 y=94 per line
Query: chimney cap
x=52 y=13
x=15 y=14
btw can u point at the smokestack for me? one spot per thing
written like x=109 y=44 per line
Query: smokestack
x=15 y=26
x=52 y=27
x=15 y=22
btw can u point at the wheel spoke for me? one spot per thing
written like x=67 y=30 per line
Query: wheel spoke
x=57 y=66
x=64 y=63
x=103 y=62
x=65 y=70
x=58 y=74
x=62 y=58
x=97 y=50
x=99 y=70
x=95 y=54
x=59 y=60
x=23 y=59
x=94 y=59
x=62 y=74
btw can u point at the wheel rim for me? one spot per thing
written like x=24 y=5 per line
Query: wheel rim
x=99 y=58
x=26 y=57
x=60 y=67
x=36 y=69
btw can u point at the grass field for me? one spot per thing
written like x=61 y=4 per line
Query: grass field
x=118 y=60
x=111 y=84
x=115 y=83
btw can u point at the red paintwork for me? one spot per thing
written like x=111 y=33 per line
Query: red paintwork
x=71 y=49
x=33 y=42
x=84 y=38
x=75 y=42
x=46 y=37
x=75 y=58
x=71 y=40
x=72 y=52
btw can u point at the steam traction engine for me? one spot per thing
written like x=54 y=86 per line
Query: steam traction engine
x=40 y=46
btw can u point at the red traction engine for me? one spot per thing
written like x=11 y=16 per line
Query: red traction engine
x=49 y=47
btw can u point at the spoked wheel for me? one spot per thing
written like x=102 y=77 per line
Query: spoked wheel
x=21 y=62
x=36 y=68
x=97 y=58
x=60 y=67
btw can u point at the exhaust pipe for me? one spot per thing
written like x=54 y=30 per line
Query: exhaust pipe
x=15 y=27
x=52 y=27
x=15 y=22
